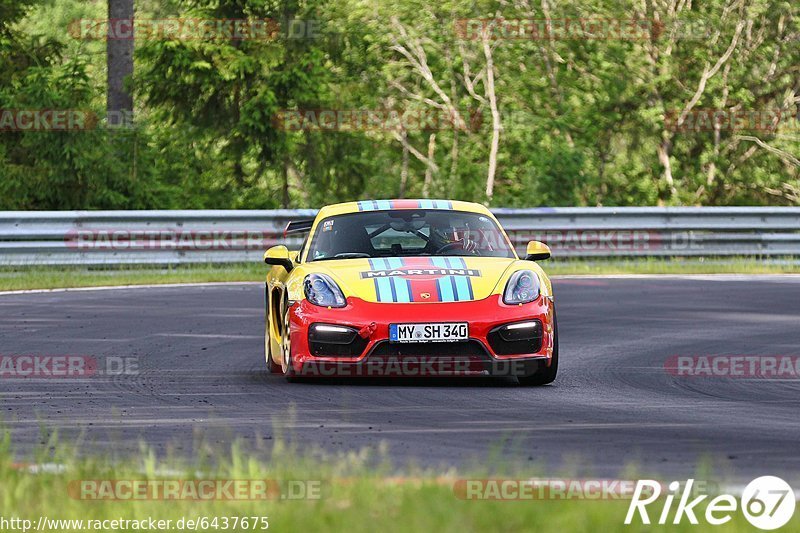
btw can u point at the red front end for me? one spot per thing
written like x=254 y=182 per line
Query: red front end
x=360 y=345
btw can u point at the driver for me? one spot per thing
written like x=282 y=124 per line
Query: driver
x=448 y=234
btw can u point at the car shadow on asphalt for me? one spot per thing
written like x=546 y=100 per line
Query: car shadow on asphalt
x=437 y=382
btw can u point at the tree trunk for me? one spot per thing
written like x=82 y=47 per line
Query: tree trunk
x=663 y=150
x=285 y=184
x=426 y=185
x=496 y=124
x=404 y=168
x=119 y=59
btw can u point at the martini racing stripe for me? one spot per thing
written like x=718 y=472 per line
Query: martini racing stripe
x=435 y=204
x=405 y=204
x=397 y=289
x=374 y=205
x=454 y=289
x=402 y=290
x=386 y=264
x=391 y=289
x=380 y=205
x=383 y=289
x=448 y=262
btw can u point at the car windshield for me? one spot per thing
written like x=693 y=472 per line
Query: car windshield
x=417 y=232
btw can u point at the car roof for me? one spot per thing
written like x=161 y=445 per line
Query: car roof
x=390 y=205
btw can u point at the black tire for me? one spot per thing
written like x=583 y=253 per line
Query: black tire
x=286 y=351
x=272 y=366
x=547 y=374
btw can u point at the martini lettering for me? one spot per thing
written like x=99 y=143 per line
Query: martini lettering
x=421 y=272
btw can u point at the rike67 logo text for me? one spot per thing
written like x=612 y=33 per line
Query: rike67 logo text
x=767 y=502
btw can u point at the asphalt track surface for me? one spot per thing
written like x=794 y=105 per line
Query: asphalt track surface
x=200 y=376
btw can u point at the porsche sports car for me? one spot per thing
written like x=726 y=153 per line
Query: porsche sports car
x=410 y=288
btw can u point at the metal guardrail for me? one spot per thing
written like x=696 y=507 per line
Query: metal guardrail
x=228 y=236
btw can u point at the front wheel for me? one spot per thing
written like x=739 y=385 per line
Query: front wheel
x=286 y=351
x=272 y=366
x=545 y=375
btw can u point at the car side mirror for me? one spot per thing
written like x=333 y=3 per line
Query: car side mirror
x=537 y=251
x=279 y=256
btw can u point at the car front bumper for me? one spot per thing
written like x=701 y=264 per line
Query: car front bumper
x=371 y=354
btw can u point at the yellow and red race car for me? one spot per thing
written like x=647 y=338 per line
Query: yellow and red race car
x=409 y=288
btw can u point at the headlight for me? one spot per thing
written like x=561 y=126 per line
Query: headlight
x=323 y=291
x=523 y=287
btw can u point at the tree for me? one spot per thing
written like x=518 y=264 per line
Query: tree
x=119 y=53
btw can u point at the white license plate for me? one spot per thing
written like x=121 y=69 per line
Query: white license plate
x=429 y=332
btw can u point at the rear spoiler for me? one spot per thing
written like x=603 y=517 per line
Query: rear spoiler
x=298 y=226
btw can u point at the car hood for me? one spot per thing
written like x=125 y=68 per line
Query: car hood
x=417 y=279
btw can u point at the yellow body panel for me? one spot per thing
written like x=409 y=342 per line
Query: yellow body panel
x=352 y=276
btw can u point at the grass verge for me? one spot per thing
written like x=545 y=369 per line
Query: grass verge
x=352 y=492
x=41 y=277
x=35 y=277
